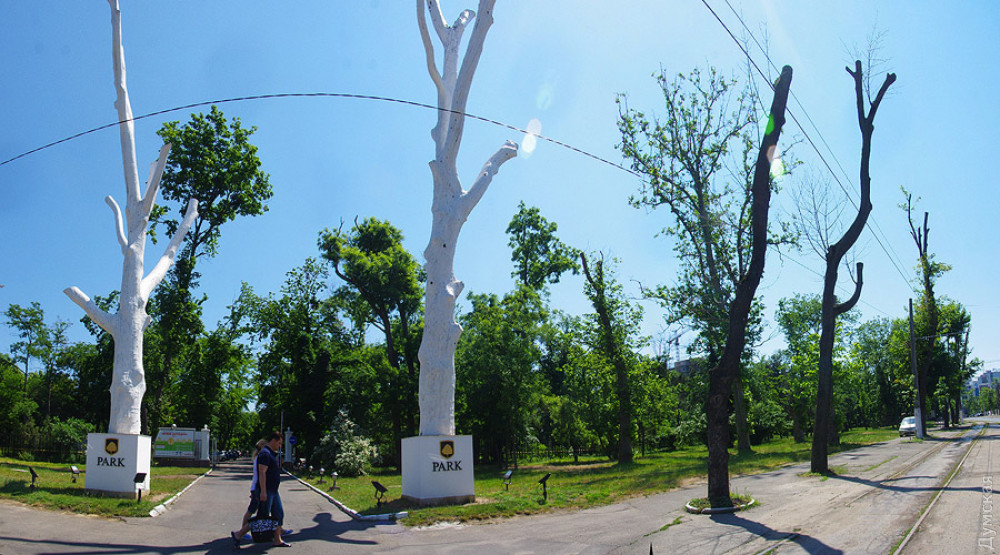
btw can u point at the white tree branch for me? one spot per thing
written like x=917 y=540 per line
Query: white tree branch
x=119 y=227
x=471 y=198
x=160 y=270
x=153 y=183
x=428 y=48
x=124 y=107
x=463 y=84
x=100 y=317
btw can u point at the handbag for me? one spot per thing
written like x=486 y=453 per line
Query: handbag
x=262 y=528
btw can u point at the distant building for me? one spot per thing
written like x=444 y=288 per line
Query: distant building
x=986 y=379
x=686 y=366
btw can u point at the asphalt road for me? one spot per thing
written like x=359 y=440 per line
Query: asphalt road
x=878 y=495
x=965 y=517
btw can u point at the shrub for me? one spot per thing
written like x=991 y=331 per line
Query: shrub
x=345 y=449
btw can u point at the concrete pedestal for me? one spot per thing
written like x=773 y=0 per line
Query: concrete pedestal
x=113 y=460
x=437 y=470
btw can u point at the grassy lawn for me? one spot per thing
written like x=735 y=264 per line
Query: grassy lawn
x=55 y=488
x=590 y=482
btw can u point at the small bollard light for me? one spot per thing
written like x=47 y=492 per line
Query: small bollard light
x=333 y=481
x=321 y=471
x=34 y=477
x=379 y=494
x=140 y=477
x=545 y=490
x=506 y=479
x=75 y=471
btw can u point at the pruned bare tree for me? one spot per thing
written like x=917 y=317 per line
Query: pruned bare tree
x=451 y=206
x=127 y=325
x=834 y=254
x=726 y=372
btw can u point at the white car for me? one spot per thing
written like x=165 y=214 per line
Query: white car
x=908 y=427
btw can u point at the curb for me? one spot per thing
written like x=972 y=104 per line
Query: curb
x=162 y=507
x=388 y=517
x=718 y=510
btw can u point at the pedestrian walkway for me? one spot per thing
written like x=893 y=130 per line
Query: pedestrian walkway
x=868 y=507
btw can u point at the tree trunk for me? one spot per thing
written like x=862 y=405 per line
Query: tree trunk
x=614 y=352
x=722 y=376
x=798 y=432
x=740 y=408
x=450 y=208
x=127 y=326
x=835 y=253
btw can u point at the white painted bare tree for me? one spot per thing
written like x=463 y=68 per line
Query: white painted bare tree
x=127 y=325
x=451 y=206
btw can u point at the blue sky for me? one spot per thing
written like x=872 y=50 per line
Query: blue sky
x=560 y=62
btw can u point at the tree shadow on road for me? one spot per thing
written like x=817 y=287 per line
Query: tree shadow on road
x=808 y=543
x=325 y=530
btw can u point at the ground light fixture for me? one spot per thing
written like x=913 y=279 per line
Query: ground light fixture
x=75 y=471
x=379 y=494
x=543 y=481
x=34 y=477
x=505 y=480
x=333 y=481
x=140 y=477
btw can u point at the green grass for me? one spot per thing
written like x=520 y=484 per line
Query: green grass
x=55 y=488
x=590 y=482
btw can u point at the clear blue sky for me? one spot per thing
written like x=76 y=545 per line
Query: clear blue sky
x=559 y=61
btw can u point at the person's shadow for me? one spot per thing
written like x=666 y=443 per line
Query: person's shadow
x=325 y=529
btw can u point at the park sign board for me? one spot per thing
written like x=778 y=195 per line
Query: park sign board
x=115 y=461
x=175 y=443
x=437 y=470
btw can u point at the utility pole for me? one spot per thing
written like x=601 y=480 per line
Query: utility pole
x=916 y=378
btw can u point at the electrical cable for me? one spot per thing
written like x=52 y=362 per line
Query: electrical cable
x=809 y=139
x=324 y=95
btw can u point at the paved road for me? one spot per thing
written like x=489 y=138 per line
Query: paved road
x=964 y=518
x=869 y=507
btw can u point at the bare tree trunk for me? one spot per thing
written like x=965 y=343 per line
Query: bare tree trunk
x=451 y=206
x=722 y=376
x=128 y=324
x=835 y=253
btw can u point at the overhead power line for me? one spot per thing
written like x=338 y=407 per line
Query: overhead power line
x=809 y=139
x=325 y=95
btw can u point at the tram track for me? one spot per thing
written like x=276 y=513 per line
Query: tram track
x=921 y=538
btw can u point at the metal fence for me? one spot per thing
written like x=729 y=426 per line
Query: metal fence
x=41 y=449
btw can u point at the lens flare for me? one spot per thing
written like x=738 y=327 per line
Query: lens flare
x=777 y=168
x=530 y=138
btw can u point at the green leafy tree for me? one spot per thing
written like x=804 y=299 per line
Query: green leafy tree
x=498 y=383
x=686 y=160
x=16 y=408
x=884 y=390
x=617 y=324
x=29 y=325
x=721 y=229
x=301 y=343
x=539 y=257
x=213 y=161
x=383 y=290
x=927 y=319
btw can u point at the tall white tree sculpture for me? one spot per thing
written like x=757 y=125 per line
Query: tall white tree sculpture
x=127 y=325
x=451 y=206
